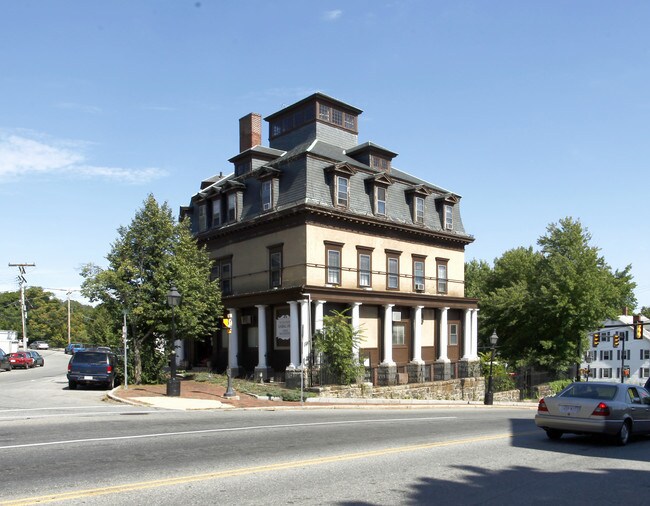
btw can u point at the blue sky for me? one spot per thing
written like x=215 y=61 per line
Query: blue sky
x=532 y=111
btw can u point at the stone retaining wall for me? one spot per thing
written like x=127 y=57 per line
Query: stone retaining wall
x=463 y=389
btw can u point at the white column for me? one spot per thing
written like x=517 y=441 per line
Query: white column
x=318 y=320
x=417 y=335
x=444 y=336
x=261 y=335
x=467 y=335
x=388 y=335
x=355 y=326
x=294 y=335
x=475 y=334
x=233 y=340
x=305 y=332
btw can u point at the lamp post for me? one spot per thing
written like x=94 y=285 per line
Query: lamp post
x=489 y=394
x=588 y=360
x=173 y=384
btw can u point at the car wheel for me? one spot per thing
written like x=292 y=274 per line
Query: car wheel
x=554 y=434
x=72 y=385
x=111 y=384
x=623 y=435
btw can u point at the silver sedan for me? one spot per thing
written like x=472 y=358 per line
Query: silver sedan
x=613 y=409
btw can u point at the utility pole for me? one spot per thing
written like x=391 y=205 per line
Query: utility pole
x=23 y=308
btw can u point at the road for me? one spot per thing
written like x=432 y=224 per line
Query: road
x=468 y=455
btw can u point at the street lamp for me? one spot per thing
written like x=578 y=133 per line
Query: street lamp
x=588 y=359
x=173 y=384
x=488 y=394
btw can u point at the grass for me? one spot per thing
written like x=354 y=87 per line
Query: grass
x=252 y=387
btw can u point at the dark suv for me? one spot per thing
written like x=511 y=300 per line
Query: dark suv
x=92 y=368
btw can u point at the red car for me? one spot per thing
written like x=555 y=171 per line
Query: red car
x=21 y=359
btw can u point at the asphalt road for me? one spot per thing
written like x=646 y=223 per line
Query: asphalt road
x=469 y=455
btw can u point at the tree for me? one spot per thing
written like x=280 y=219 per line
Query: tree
x=149 y=257
x=336 y=341
x=544 y=303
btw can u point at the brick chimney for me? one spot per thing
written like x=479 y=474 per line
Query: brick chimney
x=250 y=131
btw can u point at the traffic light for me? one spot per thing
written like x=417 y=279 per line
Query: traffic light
x=638 y=331
x=227 y=322
x=617 y=340
x=596 y=339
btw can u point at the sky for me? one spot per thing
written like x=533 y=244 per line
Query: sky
x=531 y=111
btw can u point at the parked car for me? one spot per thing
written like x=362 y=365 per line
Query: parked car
x=618 y=410
x=21 y=359
x=39 y=345
x=4 y=361
x=72 y=347
x=38 y=358
x=92 y=368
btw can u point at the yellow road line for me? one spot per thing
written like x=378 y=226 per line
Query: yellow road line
x=243 y=471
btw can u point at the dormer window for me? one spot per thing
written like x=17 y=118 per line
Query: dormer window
x=242 y=167
x=203 y=217
x=267 y=194
x=232 y=207
x=380 y=200
x=449 y=217
x=379 y=163
x=419 y=210
x=342 y=191
x=216 y=212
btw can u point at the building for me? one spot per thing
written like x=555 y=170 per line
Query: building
x=317 y=222
x=615 y=349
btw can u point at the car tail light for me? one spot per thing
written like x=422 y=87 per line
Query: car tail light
x=109 y=369
x=69 y=367
x=601 y=410
x=542 y=406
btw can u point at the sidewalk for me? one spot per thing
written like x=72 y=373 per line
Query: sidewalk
x=202 y=396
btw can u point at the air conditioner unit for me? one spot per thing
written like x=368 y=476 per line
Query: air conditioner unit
x=267 y=206
x=419 y=287
x=246 y=320
x=449 y=226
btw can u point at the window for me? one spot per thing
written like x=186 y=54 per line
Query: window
x=626 y=355
x=232 y=207
x=337 y=117
x=365 y=265
x=216 y=212
x=267 y=195
x=392 y=282
x=398 y=334
x=222 y=271
x=645 y=372
x=449 y=217
x=324 y=112
x=379 y=163
x=333 y=264
x=606 y=355
x=441 y=269
x=203 y=218
x=419 y=210
x=380 y=200
x=606 y=372
x=418 y=274
x=453 y=334
x=342 y=191
x=645 y=354
x=350 y=122
x=275 y=267
x=242 y=168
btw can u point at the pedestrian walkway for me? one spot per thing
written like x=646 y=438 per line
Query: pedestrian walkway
x=208 y=396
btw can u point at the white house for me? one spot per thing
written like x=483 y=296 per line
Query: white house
x=607 y=362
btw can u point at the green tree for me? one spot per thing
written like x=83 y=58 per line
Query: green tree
x=544 y=303
x=149 y=257
x=336 y=341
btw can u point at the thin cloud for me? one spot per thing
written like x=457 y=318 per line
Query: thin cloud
x=73 y=106
x=22 y=156
x=332 y=15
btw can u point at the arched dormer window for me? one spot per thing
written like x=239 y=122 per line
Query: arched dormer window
x=446 y=205
x=379 y=185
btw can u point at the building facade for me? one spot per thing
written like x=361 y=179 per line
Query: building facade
x=317 y=222
x=616 y=351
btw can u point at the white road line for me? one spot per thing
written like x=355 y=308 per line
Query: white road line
x=230 y=429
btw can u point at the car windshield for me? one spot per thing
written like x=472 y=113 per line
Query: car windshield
x=90 y=358
x=587 y=391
